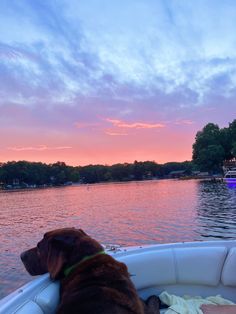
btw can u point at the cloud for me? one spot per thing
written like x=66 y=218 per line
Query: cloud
x=38 y=148
x=61 y=51
x=135 y=125
x=172 y=52
x=113 y=133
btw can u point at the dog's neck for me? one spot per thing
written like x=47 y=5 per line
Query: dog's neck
x=68 y=270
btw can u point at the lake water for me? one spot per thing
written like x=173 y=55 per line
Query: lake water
x=133 y=213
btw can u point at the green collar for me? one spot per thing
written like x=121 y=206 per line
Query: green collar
x=68 y=270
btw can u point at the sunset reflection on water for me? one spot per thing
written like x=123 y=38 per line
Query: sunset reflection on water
x=134 y=213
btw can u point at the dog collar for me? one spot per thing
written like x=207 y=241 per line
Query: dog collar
x=68 y=270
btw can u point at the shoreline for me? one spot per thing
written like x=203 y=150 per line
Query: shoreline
x=15 y=189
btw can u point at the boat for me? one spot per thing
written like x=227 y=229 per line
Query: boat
x=193 y=268
x=230 y=176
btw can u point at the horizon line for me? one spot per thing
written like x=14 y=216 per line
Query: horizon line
x=106 y=165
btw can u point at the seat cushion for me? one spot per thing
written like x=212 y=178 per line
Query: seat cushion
x=151 y=268
x=48 y=298
x=199 y=265
x=228 y=277
x=29 y=307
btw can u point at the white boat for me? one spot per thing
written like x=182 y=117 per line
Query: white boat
x=193 y=268
x=230 y=176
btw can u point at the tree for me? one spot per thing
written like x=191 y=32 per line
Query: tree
x=211 y=158
x=232 y=130
x=226 y=142
x=121 y=172
x=208 y=151
x=234 y=150
x=214 y=145
x=232 y=134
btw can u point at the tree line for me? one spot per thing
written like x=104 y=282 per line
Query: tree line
x=39 y=174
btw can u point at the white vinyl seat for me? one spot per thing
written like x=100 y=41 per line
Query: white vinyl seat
x=195 y=266
x=199 y=265
x=228 y=277
x=29 y=307
x=48 y=298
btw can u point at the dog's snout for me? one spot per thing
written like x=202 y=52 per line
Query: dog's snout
x=23 y=256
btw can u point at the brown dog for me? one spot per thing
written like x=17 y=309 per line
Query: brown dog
x=91 y=281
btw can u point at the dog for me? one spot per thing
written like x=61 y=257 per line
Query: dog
x=91 y=281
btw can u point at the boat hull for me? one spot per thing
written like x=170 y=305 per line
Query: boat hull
x=196 y=268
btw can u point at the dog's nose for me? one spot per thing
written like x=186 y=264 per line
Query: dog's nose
x=23 y=256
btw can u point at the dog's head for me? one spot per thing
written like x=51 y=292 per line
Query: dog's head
x=58 y=250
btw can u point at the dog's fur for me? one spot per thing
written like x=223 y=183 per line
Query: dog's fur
x=99 y=284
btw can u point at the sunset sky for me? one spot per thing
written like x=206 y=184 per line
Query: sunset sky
x=108 y=81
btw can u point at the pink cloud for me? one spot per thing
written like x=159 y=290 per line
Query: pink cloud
x=135 y=125
x=38 y=148
x=113 y=133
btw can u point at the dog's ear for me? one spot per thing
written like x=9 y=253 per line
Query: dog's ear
x=58 y=254
x=56 y=261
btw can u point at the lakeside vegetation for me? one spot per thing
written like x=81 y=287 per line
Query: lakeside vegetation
x=29 y=174
x=212 y=147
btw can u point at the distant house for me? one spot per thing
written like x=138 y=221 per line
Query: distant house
x=15 y=182
x=177 y=174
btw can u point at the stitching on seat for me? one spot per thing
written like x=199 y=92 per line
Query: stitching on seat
x=220 y=269
x=21 y=306
x=175 y=265
x=231 y=252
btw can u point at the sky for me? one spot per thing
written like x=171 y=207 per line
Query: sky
x=110 y=81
